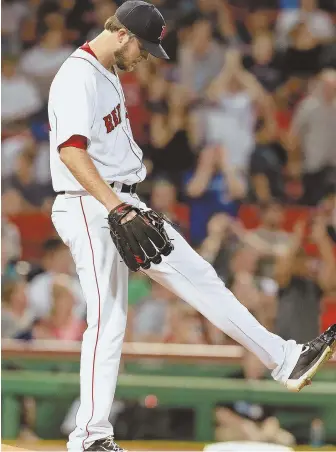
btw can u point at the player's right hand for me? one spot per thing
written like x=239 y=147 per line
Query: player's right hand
x=139 y=236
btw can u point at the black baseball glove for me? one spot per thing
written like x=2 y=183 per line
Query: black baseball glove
x=141 y=240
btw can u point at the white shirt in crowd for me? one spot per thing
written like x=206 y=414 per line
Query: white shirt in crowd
x=20 y=98
x=319 y=23
x=12 y=147
x=40 y=296
x=314 y=123
x=41 y=65
x=235 y=113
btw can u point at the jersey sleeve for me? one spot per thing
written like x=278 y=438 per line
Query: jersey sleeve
x=72 y=102
x=76 y=141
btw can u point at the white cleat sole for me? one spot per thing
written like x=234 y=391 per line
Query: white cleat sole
x=305 y=379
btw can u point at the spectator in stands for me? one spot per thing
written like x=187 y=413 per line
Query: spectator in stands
x=266 y=64
x=27 y=31
x=319 y=23
x=12 y=148
x=258 y=294
x=16 y=316
x=244 y=261
x=171 y=151
x=102 y=11
x=269 y=157
x=139 y=288
x=43 y=61
x=200 y=59
x=184 y=324
x=267 y=175
x=20 y=98
x=42 y=16
x=302 y=282
x=56 y=260
x=251 y=23
x=12 y=15
x=62 y=322
x=236 y=94
x=150 y=320
x=21 y=192
x=10 y=239
x=327 y=208
x=242 y=281
x=219 y=13
x=79 y=19
x=280 y=163
x=164 y=200
x=214 y=186
x=269 y=238
x=65 y=17
x=136 y=101
x=313 y=137
x=303 y=57
x=245 y=421
x=220 y=244
x=156 y=87
x=54 y=20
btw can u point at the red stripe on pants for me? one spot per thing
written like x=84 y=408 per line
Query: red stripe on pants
x=95 y=349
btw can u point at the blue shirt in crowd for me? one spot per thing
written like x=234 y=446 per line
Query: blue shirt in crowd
x=215 y=199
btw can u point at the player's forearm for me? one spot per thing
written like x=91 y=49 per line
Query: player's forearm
x=81 y=166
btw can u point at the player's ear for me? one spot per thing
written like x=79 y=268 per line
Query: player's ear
x=122 y=35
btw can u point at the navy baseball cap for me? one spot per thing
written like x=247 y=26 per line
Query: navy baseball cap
x=146 y=22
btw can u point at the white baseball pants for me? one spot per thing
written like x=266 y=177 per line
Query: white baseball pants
x=81 y=222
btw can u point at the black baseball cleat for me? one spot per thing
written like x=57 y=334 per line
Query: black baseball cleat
x=314 y=354
x=105 y=444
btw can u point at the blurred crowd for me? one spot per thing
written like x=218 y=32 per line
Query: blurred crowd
x=243 y=113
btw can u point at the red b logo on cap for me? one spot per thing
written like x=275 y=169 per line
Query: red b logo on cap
x=163 y=32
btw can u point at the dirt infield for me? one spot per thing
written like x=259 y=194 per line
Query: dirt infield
x=6 y=448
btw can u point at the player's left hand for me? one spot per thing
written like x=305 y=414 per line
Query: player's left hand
x=139 y=236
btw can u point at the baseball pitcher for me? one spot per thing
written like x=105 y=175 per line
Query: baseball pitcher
x=96 y=166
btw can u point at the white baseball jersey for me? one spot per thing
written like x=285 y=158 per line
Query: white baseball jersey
x=86 y=99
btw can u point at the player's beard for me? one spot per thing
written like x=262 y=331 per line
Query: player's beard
x=121 y=60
